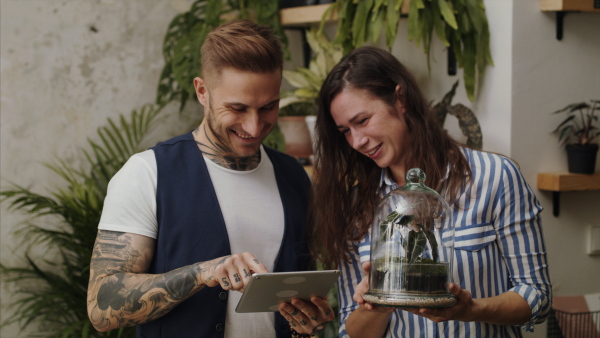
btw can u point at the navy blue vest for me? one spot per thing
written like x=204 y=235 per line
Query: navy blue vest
x=191 y=229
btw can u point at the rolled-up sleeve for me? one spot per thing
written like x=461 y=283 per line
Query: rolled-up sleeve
x=518 y=225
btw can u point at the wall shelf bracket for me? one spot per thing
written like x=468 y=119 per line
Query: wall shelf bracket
x=555 y=203
x=560 y=17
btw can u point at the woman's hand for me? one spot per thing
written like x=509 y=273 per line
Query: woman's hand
x=362 y=288
x=460 y=311
x=508 y=308
x=307 y=318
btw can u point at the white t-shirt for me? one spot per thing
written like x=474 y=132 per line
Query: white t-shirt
x=251 y=208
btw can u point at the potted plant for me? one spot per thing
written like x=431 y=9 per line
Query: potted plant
x=576 y=132
x=298 y=106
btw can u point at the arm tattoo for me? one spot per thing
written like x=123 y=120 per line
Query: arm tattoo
x=225 y=157
x=121 y=294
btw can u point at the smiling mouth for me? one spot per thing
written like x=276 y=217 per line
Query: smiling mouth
x=245 y=137
x=373 y=151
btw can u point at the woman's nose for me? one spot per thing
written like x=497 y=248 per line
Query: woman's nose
x=358 y=139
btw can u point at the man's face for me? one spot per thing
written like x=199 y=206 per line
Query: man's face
x=240 y=109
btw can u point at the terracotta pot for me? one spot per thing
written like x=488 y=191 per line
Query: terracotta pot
x=297 y=136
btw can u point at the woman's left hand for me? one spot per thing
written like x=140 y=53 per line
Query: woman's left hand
x=459 y=311
x=307 y=318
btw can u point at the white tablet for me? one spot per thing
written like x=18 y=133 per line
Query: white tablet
x=266 y=291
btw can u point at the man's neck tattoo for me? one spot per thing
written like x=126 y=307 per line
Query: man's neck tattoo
x=223 y=156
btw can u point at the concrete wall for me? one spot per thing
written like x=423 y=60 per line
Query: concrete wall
x=65 y=67
x=68 y=65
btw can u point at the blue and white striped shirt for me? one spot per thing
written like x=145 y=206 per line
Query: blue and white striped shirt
x=498 y=247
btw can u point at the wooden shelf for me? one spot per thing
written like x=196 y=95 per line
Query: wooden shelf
x=559 y=182
x=562 y=7
x=568 y=5
x=304 y=15
x=568 y=181
x=308 y=15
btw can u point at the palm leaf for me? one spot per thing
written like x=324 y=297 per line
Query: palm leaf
x=52 y=288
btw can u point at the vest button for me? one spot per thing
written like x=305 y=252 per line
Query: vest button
x=219 y=327
x=223 y=295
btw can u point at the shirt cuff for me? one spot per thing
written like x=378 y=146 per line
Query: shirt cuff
x=539 y=302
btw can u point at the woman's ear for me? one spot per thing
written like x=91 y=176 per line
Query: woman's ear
x=400 y=99
x=398 y=91
x=201 y=90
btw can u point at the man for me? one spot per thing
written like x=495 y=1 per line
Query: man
x=192 y=218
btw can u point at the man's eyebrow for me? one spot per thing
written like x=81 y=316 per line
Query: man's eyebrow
x=273 y=102
x=235 y=103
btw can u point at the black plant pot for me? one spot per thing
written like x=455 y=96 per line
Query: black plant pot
x=582 y=158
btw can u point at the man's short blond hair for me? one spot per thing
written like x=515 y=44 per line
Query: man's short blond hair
x=242 y=45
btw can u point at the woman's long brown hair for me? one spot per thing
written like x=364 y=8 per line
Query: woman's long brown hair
x=345 y=190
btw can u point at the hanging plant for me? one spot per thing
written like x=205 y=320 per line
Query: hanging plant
x=460 y=24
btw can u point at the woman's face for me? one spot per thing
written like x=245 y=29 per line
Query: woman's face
x=372 y=127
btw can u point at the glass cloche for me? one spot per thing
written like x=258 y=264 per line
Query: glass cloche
x=412 y=243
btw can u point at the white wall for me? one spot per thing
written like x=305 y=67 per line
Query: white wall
x=548 y=74
x=60 y=80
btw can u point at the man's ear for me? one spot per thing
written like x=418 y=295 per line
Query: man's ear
x=201 y=90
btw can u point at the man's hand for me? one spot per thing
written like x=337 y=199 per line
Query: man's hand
x=231 y=272
x=307 y=318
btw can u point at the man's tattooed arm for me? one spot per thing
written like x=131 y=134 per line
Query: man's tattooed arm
x=121 y=293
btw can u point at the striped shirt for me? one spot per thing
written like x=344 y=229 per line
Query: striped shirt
x=498 y=247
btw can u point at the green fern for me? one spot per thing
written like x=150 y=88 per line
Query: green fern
x=53 y=288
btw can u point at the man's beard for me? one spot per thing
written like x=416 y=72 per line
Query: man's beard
x=225 y=146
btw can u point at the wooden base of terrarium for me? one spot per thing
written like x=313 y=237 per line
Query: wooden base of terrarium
x=408 y=300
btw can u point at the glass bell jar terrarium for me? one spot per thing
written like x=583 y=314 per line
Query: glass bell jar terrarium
x=412 y=243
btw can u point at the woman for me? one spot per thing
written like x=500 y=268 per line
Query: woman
x=372 y=126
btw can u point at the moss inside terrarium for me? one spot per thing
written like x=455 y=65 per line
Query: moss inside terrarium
x=398 y=274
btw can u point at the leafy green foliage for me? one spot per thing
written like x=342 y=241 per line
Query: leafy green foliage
x=308 y=81
x=53 y=288
x=416 y=241
x=275 y=139
x=187 y=32
x=467 y=121
x=578 y=127
x=461 y=24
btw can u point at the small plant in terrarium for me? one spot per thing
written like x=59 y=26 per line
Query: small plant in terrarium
x=407 y=267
